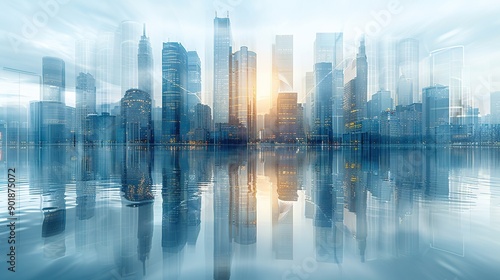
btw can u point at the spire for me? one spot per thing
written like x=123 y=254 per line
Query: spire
x=144 y=29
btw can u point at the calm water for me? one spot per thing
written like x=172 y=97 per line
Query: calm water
x=238 y=213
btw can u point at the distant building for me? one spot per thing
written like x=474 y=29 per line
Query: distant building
x=381 y=101
x=102 y=129
x=408 y=70
x=287 y=117
x=85 y=103
x=495 y=107
x=54 y=79
x=47 y=124
x=201 y=123
x=145 y=66
x=136 y=117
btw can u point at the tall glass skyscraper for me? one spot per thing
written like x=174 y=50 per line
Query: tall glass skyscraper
x=355 y=95
x=243 y=94
x=174 y=84
x=322 y=106
x=130 y=33
x=282 y=66
x=446 y=68
x=222 y=56
x=194 y=73
x=54 y=79
x=85 y=102
x=145 y=65
x=408 y=91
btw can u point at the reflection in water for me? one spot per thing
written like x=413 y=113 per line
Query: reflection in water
x=258 y=213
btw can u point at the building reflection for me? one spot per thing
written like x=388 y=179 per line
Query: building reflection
x=136 y=227
x=86 y=171
x=174 y=212
x=283 y=198
x=49 y=175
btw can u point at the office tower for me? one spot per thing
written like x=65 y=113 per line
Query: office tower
x=408 y=91
x=436 y=114
x=194 y=73
x=145 y=66
x=107 y=73
x=446 y=68
x=201 y=123
x=174 y=84
x=282 y=66
x=222 y=64
x=54 y=79
x=287 y=117
x=130 y=33
x=136 y=117
x=387 y=70
x=328 y=47
x=85 y=103
x=355 y=92
x=322 y=105
x=243 y=93
x=310 y=89
x=381 y=101
x=495 y=107
x=85 y=57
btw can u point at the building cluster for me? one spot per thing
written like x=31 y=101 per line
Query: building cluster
x=376 y=93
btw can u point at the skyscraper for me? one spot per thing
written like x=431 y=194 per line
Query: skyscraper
x=355 y=93
x=174 y=84
x=194 y=73
x=85 y=57
x=495 y=107
x=85 y=103
x=282 y=59
x=54 y=79
x=130 y=33
x=408 y=72
x=107 y=71
x=222 y=56
x=436 y=114
x=328 y=47
x=322 y=106
x=145 y=65
x=136 y=117
x=446 y=68
x=243 y=93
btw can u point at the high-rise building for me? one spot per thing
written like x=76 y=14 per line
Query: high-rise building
x=85 y=98
x=107 y=71
x=222 y=63
x=436 y=114
x=355 y=93
x=130 y=33
x=287 y=117
x=495 y=107
x=308 y=110
x=243 y=93
x=136 y=117
x=54 y=79
x=174 y=84
x=201 y=123
x=446 y=68
x=194 y=73
x=408 y=91
x=282 y=66
x=85 y=57
x=381 y=101
x=145 y=66
x=328 y=47
x=322 y=105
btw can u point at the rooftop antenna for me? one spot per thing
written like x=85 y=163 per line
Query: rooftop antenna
x=144 y=29
x=228 y=14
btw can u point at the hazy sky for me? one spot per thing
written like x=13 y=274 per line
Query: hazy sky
x=436 y=24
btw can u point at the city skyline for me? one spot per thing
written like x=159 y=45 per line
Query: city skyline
x=196 y=35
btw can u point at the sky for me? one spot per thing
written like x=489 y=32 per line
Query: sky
x=33 y=29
